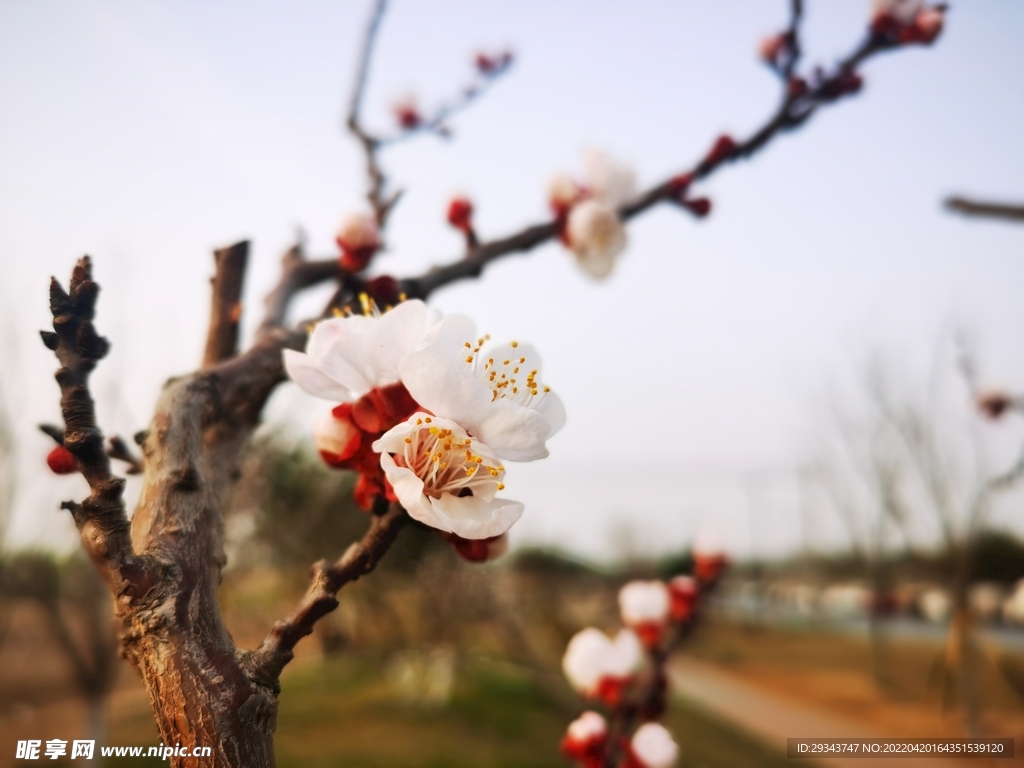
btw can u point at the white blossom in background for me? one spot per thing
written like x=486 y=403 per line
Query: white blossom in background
x=592 y=229
x=495 y=394
x=446 y=479
x=596 y=235
x=652 y=746
x=904 y=11
x=592 y=658
x=644 y=602
x=609 y=180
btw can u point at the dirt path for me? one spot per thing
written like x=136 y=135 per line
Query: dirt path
x=775 y=717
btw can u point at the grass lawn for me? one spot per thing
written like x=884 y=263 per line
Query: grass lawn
x=343 y=713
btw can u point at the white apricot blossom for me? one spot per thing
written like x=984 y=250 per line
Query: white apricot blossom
x=596 y=235
x=346 y=357
x=446 y=479
x=644 y=602
x=495 y=394
x=592 y=658
x=588 y=727
x=653 y=746
x=588 y=211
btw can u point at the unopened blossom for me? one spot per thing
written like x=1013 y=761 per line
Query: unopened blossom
x=906 y=21
x=645 y=606
x=407 y=112
x=596 y=235
x=359 y=239
x=600 y=667
x=652 y=746
x=460 y=213
x=495 y=393
x=61 y=462
x=563 y=193
x=446 y=479
x=585 y=739
x=683 y=591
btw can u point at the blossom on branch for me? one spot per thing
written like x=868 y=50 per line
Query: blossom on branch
x=645 y=608
x=585 y=740
x=587 y=214
x=446 y=479
x=652 y=746
x=599 y=667
x=359 y=239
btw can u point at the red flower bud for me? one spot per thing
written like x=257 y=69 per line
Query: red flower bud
x=701 y=206
x=408 y=116
x=61 y=461
x=384 y=290
x=683 y=592
x=460 y=214
x=679 y=185
x=724 y=146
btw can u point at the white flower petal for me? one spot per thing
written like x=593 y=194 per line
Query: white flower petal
x=513 y=432
x=397 y=333
x=409 y=490
x=438 y=385
x=474 y=518
x=311 y=378
x=449 y=336
x=338 y=347
x=654 y=746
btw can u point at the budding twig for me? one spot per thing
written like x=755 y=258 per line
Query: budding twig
x=226 y=310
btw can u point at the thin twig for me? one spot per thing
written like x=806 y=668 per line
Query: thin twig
x=277 y=649
x=1005 y=211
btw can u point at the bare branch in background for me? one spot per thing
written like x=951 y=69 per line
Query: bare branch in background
x=226 y=309
x=1004 y=211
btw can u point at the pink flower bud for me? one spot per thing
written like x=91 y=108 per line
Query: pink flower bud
x=772 y=48
x=359 y=239
x=407 y=113
x=61 y=462
x=644 y=606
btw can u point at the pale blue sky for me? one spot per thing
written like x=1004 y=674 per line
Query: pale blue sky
x=148 y=133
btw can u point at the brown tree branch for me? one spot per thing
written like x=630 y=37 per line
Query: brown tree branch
x=1007 y=212
x=277 y=649
x=118 y=449
x=296 y=274
x=101 y=519
x=226 y=312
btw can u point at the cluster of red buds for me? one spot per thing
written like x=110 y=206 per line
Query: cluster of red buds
x=344 y=438
x=627 y=674
x=903 y=22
